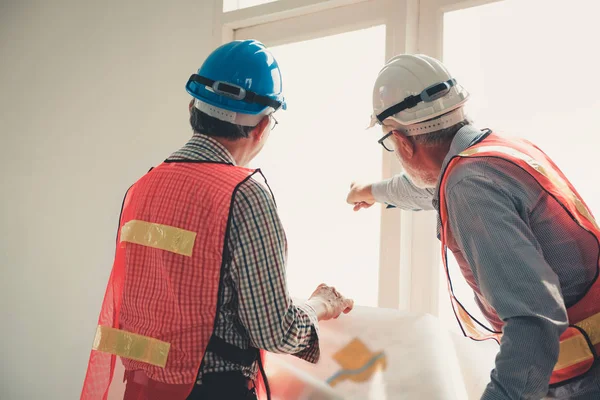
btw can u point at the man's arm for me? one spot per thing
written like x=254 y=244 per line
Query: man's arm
x=266 y=310
x=515 y=279
x=398 y=191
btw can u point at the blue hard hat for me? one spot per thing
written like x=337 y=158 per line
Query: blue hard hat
x=240 y=76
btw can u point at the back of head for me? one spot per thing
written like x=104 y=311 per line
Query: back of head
x=238 y=84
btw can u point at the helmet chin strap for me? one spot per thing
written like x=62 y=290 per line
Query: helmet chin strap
x=442 y=122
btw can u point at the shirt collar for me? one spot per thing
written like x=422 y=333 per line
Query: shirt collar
x=203 y=148
x=466 y=137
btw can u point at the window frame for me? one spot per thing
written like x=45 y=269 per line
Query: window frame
x=431 y=42
x=409 y=259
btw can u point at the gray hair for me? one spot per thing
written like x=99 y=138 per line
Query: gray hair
x=441 y=137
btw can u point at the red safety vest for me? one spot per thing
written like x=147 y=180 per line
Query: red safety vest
x=580 y=343
x=161 y=300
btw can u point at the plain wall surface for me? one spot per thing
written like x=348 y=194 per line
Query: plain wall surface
x=91 y=96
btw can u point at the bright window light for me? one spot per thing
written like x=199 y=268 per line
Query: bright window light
x=319 y=147
x=530 y=68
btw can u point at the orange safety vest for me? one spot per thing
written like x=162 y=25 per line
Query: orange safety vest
x=580 y=343
x=161 y=300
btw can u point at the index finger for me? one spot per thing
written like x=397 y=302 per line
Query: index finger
x=349 y=303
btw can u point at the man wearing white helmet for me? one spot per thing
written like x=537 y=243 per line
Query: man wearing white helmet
x=524 y=239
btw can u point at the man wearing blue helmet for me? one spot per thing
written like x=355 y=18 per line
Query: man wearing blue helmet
x=198 y=287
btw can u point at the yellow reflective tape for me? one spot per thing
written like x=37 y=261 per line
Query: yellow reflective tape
x=591 y=326
x=131 y=345
x=584 y=211
x=548 y=172
x=159 y=236
x=572 y=351
x=467 y=323
x=576 y=348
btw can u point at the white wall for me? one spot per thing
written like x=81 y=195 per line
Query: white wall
x=91 y=96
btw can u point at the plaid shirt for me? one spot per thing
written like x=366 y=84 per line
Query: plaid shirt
x=256 y=308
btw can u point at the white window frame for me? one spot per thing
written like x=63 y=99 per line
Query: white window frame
x=426 y=245
x=431 y=22
x=409 y=269
x=288 y=21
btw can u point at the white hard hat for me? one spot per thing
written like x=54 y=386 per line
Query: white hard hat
x=411 y=89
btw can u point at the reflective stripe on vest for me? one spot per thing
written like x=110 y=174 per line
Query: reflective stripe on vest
x=158 y=236
x=130 y=345
x=580 y=343
x=161 y=300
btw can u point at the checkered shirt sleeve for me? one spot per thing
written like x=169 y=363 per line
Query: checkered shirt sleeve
x=259 y=252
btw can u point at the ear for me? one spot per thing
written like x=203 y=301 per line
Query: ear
x=259 y=130
x=404 y=145
x=191 y=105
